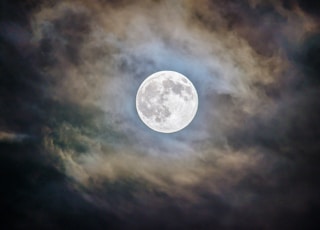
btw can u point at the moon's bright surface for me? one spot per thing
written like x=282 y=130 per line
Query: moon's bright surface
x=167 y=101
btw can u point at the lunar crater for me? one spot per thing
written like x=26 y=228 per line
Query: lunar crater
x=167 y=101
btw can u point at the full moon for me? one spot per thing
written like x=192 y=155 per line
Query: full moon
x=167 y=101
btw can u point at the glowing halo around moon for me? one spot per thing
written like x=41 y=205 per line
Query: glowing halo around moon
x=167 y=101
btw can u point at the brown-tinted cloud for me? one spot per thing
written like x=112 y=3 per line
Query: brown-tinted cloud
x=248 y=159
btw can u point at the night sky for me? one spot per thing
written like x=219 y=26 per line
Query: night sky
x=75 y=155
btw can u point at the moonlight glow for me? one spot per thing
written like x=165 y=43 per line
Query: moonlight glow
x=167 y=101
x=88 y=139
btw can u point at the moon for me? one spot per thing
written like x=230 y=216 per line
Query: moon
x=167 y=101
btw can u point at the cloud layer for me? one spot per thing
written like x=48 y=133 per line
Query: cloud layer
x=71 y=70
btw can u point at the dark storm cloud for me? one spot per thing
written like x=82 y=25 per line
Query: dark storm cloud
x=74 y=154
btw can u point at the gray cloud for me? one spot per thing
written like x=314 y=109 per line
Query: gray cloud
x=249 y=151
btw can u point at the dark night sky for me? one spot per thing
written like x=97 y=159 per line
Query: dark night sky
x=75 y=155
